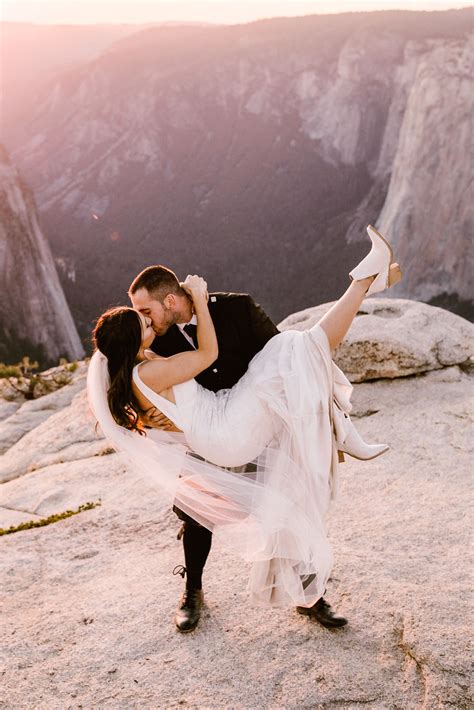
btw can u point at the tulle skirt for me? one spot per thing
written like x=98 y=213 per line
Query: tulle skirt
x=273 y=513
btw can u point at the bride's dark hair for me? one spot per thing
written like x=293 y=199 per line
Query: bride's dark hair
x=118 y=335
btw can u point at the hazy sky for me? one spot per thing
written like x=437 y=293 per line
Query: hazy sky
x=225 y=11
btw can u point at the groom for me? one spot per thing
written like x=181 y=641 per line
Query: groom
x=242 y=329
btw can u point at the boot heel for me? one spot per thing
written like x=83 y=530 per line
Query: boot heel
x=394 y=275
x=378 y=263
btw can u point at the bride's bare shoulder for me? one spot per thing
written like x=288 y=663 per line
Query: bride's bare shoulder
x=153 y=374
x=151 y=370
x=151 y=355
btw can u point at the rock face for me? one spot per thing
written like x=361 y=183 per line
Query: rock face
x=426 y=211
x=34 y=315
x=262 y=161
x=68 y=435
x=89 y=601
x=29 y=415
x=396 y=337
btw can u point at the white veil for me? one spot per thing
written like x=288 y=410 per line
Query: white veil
x=262 y=515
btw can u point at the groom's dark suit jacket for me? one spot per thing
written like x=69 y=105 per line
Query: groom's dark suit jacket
x=242 y=329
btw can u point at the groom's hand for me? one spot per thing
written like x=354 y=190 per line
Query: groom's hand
x=157 y=420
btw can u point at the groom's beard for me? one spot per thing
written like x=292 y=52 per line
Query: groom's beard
x=169 y=319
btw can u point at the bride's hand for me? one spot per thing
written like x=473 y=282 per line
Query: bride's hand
x=196 y=287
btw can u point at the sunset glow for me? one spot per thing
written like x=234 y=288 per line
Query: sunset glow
x=213 y=11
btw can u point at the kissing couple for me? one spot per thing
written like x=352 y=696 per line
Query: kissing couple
x=241 y=427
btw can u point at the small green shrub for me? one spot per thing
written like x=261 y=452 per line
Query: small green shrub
x=23 y=379
x=9 y=371
x=68 y=366
x=47 y=521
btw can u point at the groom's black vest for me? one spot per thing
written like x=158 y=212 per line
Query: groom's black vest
x=242 y=329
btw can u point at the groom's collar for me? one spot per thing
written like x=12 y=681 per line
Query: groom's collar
x=193 y=321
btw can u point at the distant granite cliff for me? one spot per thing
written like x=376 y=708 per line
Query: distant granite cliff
x=429 y=208
x=34 y=316
x=257 y=154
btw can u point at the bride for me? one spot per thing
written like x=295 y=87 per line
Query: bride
x=288 y=414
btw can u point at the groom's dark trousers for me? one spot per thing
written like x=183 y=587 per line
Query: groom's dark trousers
x=242 y=329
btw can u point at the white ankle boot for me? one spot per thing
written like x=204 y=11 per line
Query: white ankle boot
x=349 y=441
x=355 y=446
x=378 y=263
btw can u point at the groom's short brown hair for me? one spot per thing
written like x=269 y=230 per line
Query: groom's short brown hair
x=158 y=281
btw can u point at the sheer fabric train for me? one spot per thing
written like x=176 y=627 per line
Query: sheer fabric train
x=273 y=517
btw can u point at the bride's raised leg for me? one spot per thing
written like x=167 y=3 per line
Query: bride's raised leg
x=376 y=272
x=337 y=321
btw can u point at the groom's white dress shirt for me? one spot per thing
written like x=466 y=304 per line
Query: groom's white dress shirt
x=181 y=326
x=193 y=321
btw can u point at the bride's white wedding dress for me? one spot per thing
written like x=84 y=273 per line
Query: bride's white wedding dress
x=281 y=415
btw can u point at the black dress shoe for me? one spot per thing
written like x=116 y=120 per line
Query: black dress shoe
x=322 y=612
x=189 y=610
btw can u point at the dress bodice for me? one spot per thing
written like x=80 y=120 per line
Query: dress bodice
x=229 y=427
x=284 y=388
x=183 y=393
